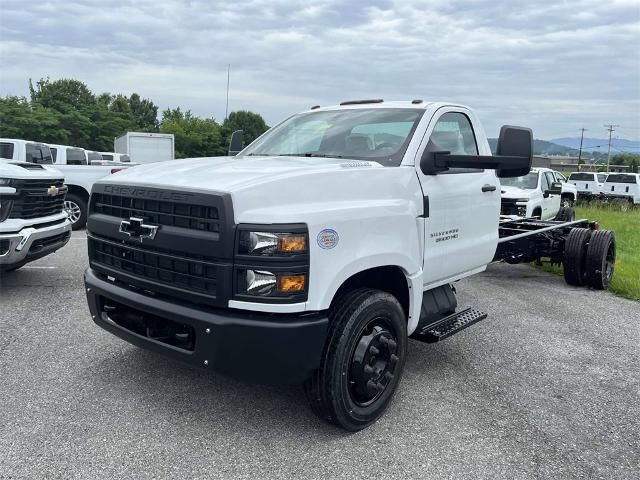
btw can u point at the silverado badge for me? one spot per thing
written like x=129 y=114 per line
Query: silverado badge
x=136 y=228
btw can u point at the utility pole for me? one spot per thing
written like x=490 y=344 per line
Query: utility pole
x=580 y=151
x=226 y=110
x=610 y=127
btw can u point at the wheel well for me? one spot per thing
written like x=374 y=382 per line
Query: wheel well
x=389 y=279
x=537 y=210
x=567 y=194
x=81 y=192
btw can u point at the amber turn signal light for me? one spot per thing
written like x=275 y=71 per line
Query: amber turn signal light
x=291 y=283
x=292 y=243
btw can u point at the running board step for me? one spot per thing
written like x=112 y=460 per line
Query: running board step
x=449 y=325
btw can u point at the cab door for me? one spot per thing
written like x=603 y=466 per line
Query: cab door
x=550 y=203
x=462 y=206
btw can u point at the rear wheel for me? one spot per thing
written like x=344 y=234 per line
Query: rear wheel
x=575 y=250
x=565 y=214
x=362 y=361
x=76 y=208
x=601 y=258
x=566 y=201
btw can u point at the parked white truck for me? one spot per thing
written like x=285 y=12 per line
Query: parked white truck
x=80 y=175
x=316 y=253
x=623 y=187
x=589 y=184
x=33 y=222
x=538 y=194
x=146 y=147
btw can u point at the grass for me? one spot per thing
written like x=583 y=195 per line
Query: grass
x=626 y=227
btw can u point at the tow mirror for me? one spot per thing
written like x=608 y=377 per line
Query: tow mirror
x=235 y=145
x=513 y=157
x=556 y=189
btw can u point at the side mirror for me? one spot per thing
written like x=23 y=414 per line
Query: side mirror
x=556 y=189
x=513 y=156
x=235 y=145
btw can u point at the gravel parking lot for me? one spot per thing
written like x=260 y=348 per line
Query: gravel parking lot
x=547 y=387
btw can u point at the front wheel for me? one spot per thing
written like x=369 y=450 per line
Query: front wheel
x=362 y=360
x=76 y=208
x=566 y=202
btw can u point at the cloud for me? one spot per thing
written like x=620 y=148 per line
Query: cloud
x=553 y=66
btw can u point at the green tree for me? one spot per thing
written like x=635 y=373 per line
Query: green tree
x=194 y=137
x=252 y=124
x=145 y=113
x=63 y=95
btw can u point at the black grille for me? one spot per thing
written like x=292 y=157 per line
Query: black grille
x=32 y=199
x=508 y=207
x=49 y=241
x=145 y=263
x=158 y=212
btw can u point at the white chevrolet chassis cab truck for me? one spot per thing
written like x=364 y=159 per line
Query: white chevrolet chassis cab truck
x=317 y=252
x=33 y=222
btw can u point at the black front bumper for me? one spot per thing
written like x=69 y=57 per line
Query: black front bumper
x=254 y=347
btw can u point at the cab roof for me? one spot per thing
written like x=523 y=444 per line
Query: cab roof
x=379 y=103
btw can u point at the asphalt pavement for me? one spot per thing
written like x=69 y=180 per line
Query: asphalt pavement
x=547 y=387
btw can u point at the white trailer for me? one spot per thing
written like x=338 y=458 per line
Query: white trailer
x=146 y=147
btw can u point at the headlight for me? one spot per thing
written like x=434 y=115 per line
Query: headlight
x=271 y=243
x=525 y=200
x=4 y=182
x=265 y=283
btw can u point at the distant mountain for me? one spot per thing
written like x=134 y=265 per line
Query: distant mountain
x=600 y=144
x=542 y=147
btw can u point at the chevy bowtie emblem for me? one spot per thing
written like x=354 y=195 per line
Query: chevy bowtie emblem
x=53 y=191
x=135 y=228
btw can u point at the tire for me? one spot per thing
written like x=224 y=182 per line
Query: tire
x=566 y=202
x=362 y=361
x=76 y=206
x=565 y=214
x=575 y=252
x=601 y=258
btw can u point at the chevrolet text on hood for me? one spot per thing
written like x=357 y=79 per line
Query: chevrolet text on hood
x=313 y=254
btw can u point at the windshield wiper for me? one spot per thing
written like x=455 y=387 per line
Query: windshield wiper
x=309 y=154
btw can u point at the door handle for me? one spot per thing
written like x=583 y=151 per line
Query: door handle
x=488 y=188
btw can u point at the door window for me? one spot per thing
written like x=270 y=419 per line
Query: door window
x=453 y=133
x=544 y=184
x=6 y=150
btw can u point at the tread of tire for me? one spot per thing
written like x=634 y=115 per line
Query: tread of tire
x=574 y=252
x=597 y=248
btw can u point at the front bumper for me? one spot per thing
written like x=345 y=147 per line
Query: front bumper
x=254 y=347
x=34 y=242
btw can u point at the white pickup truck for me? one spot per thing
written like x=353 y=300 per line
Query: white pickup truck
x=624 y=187
x=80 y=175
x=538 y=194
x=33 y=222
x=589 y=184
x=321 y=248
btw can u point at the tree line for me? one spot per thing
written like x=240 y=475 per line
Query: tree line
x=67 y=112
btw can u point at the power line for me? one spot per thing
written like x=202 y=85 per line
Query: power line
x=610 y=128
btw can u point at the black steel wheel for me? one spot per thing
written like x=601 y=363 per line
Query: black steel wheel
x=601 y=259
x=363 y=359
x=575 y=251
x=565 y=214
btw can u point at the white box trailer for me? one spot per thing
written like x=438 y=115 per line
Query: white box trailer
x=146 y=147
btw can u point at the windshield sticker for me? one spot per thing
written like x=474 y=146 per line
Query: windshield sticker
x=328 y=238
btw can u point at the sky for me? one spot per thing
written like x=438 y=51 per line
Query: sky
x=554 y=66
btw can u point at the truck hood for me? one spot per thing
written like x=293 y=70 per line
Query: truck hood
x=21 y=170
x=515 y=192
x=286 y=189
x=232 y=174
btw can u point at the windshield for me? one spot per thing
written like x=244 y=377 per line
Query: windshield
x=581 y=176
x=528 y=182
x=621 y=178
x=378 y=134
